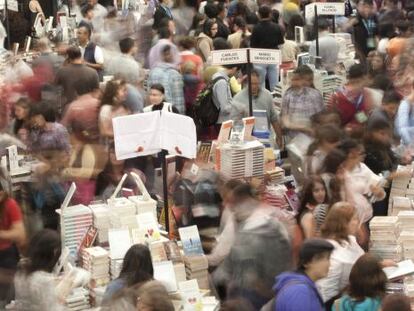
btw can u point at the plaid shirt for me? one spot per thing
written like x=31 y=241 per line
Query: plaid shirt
x=173 y=83
x=300 y=105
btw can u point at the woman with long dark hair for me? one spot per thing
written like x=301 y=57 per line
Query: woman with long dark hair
x=35 y=284
x=136 y=269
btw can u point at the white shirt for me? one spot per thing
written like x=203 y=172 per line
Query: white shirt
x=342 y=259
x=99 y=58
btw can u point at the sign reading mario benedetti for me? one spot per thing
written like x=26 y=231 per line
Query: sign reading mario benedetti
x=265 y=56
x=228 y=57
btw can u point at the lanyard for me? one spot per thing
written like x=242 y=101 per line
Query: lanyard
x=367 y=24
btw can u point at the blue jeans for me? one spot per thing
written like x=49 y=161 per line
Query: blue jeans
x=269 y=71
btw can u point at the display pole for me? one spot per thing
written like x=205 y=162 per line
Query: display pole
x=165 y=190
x=316 y=30
x=249 y=82
x=6 y=14
x=333 y=24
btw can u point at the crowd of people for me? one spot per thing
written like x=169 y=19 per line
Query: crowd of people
x=57 y=102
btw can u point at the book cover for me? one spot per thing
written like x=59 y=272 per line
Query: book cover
x=190 y=239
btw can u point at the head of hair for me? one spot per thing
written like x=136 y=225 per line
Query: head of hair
x=336 y=223
x=328 y=133
x=73 y=53
x=264 y=11
x=403 y=26
x=111 y=90
x=240 y=22
x=122 y=300
x=86 y=9
x=366 y=2
x=386 y=30
x=391 y=97
x=378 y=125
x=323 y=24
x=137 y=265
x=197 y=19
x=326 y=117
x=46 y=109
x=348 y=144
x=208 y=24
x=154 y=295
x=221 y=44
x=303 y=70
x=164 y=33
x=238 y=304
x=307 y=194
x=165 y=22
x=313 y=249
x=357 y=71
x=165 y=51
x=211 y=10
x=275 y=15
x=333 y=161
x=88 y=29
x=126 y=44
x=396 y=302
x=43 y=252
x=382 y=82
x=221 y=6
x=295 y=20
x=244 y=192
x=158 y=87
x=187 y=43
x=367 y=279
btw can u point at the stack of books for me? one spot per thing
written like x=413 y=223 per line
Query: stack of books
x=78 y=299
x=241 y=161
x=406 y=238
x=96 y=261
x=276 y=175
x=384 y=237
x=115 y=267
x=101 y=221
x=122 y=213
x=196 y=267
x=142 y=206
x=75 y=222
x=398 y=204
x=96 y=295
x=275 y=195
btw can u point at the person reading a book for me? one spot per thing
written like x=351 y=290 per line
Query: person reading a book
x=367 y=284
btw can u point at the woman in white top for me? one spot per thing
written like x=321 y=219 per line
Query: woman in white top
x=112 y=105
x=340 y=228
x=362 y=186
x=157 y=101
x=37 y=288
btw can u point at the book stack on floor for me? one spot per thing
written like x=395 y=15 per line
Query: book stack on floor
x=196 y=263
x=101 y=221
x=96 y=261
x=276 y=175
x=78 y=299
x=384 y=237
x=75 y=222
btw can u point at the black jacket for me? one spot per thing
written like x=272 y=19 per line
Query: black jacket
x=266 y=35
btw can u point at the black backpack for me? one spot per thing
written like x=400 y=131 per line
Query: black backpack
x=205 y=112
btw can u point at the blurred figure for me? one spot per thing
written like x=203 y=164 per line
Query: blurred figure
x=153 y=296
x=204 y=43
x=165 y=37
x=157 y=100
x=20 y=124
x=297 y=290
x=91 y=53
x=35 y=284
x=136 y=269
x=240 y=32
x=387 y=111
x=87 y=16
x=170 y=78
x=236 y=305
x=261 y=251
x=75 y=75
x=112 y=105
x=396 y=302
x=12 y=237
x=367 y=283
x=99 y=14
x=163 y=10
x=404 y=121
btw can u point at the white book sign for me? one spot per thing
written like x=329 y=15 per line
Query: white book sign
x=325 y=8
x=265 y=56
x=229 y=57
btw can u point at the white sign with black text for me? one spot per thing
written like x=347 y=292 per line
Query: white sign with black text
x=325 y=8
x=229 y=57
x=265 y=56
